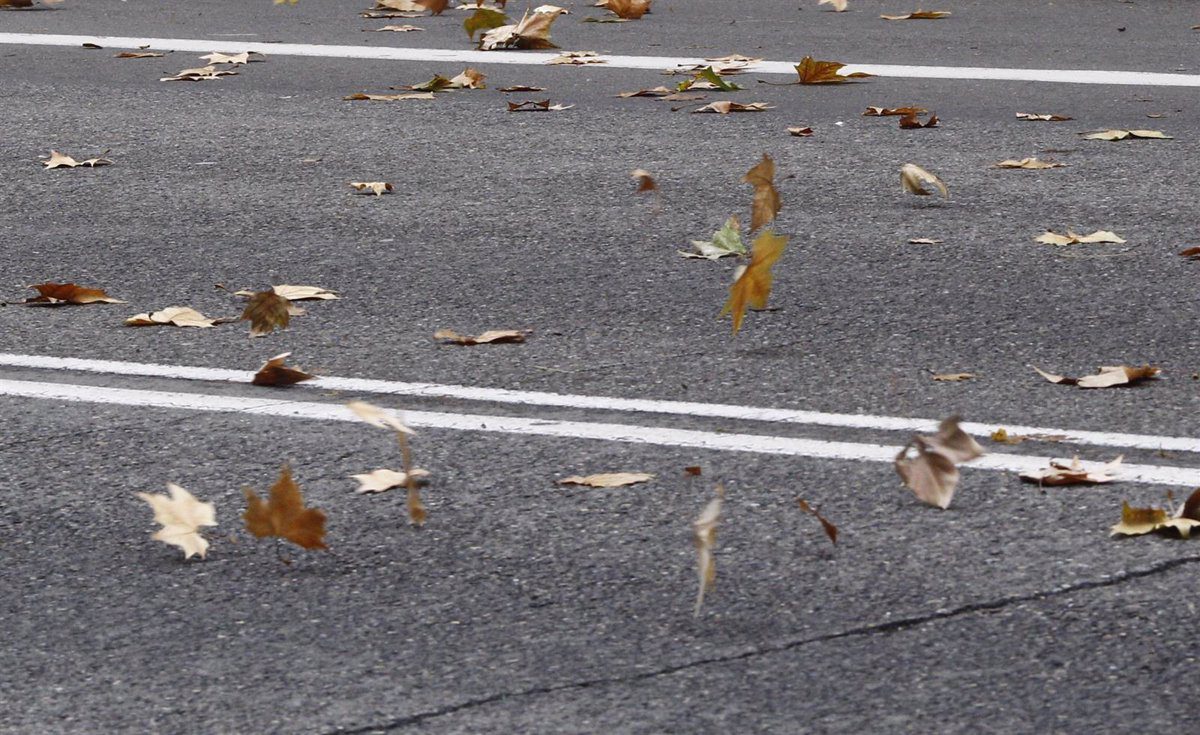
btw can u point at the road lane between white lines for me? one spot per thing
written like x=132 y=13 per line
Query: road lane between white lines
x=603 y=403
x=653 y=435
x=395 y=53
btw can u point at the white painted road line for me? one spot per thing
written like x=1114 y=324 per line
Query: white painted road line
x=660 y=436
x=468 y=56
x=603 y=403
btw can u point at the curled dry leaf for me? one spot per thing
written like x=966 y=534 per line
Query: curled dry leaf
x=812 y=71
x=704 y=538
x=389 y=97
x=404 y=6
x=576 y=58
x=830 y=530
x=654 y=92
x=275 y=372
x=138 y=55
x=15 y=4
x=379 y=188
x=201 y=74
x=913 y=178
x=886 y=111
x=536 y=106
x=176 y=316
x=798 y=132
x=1190 y=253
x=1051 y=238
x=707 y=78
x=927 y=464
x=953 y=377
x=766 y=203
x=376 y=416
x=58 y=294
x=383 y=480
x=1060 y=474
x=838 y=6
x=494 y=336
x=532 y=32
x=725 y=242
x=626 y=9
x=235 y=59
x=1029 y=163
x=645 y=180
x=266 y=311
x=724 y=107
x=59 y=160
x=1125 y=135
x=610 y=479
x=1139 y=521
x=753 y=285
x=919 y=15
x=182 y=516
x=522 y=88
x=910 y=122
x=397 y=29
x=435 y=7
x=1043 y=117
x=1106 y=377
x=283 y=515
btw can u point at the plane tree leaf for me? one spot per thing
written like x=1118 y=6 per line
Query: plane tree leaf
x=276 y=373
x=1125 y=135
x=725 y=242
x=1140 y=521
x=610 y=479
x=813 y=71
x=382 y=480
x=532 y=32
x=176 y=316
x=495 y=336
x=376 y=416
x=266 y=311
x=766 y=203
x=58 y=294
x=753 y=284
x=182 y=516
x=928 y=464
x=1061 y=473
x=1071 y=238
x=1029 y=163
x=60 y=160
x=913 y=178
x=284 y=514
x=1106 y=377
x=704 y=539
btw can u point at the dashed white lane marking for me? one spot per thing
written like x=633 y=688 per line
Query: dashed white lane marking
x=655 y=435
x=603 y=403
x=1073 y=76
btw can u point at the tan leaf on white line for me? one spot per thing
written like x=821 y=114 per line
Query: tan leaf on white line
x=378 y=417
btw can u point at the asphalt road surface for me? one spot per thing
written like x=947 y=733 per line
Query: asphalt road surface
x=523 y=605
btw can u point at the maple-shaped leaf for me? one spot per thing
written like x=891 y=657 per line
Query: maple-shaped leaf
x=266 y=311
x=919 y=15
x=886 y=111
x=838 y=5
x=911 y=122
x=378 y=188
x=532 y=32
x=626 y=9
x=58 y=294
x=284 y=514
x=178 y=316
x=1139 y=521
x=913 y=178
x=59 y=160
x=753 y=285
x=813 y=71
x=1106 y=377
x=724 y=107
x=1126 y=135
x=379 y=481
x=275 y=372
x=1071 y=238
x=496 y=336
x=704 y=538
x=1049 y=117
x=725 y=242
x=181 y=516
x=437 y=84
x=830 y=530
x=928 y=464
x=1059 y=473
x=766 y=202
x=1029 y=163
x=608 y=479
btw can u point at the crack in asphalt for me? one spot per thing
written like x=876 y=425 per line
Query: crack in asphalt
x=891 y=626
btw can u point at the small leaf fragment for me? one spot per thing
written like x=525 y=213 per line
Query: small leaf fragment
x=138 y=55
x=953 y=377
x=839 y=6
x=919 y=15
x=1191 y=253
x=911 y=122
x=275 y=373
x=645 y=180
x=1029 y=163
x=800 y=132
x=495 y=336
x=181 y=516
x=924 y=241
x=913 y=178
x=610 y=479
x=1059 y=474
x=576 y=58
x=379 y=188
x=406 y=28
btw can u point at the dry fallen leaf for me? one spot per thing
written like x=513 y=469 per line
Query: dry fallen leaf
x=1060 y=474
x=404 y=6
x=885 y=111
x=235 y=59
x=953 y=377
x=1125 y=134
x=284 y=514
x=611 y=479
x=1029 y=163
x=1138 y=521
x=58 y=294
x=724 y=107
x=830 y=530
x=376 y=416
x=626 y=9
x=919 y=15
x=201 y=74
x=576 y=58
x=766 y=203
x=812 y=71
x=927 y=464
x=377 y=187
x=495 y=336
x=645 y=180
x=1051 y=238
x=266 y=311
x=138 y=55
x=798 y=132
x=15 y=4
x=468 y=79
x=536 y=106
x=389 y=97
x=275 y=372
x=924 y=241
x=704 y=538
x=522 y=88
x=1106 y=377
x=296 y=293
x=59 y=160
x=725 y=242
x=178 y=316
x=181 y=516
x=753 y=285
x=838 y=6
x=397 y=29
x=532 y=32
x=913 y=178
x=910 y=122
x=435 y=7
x=380 y=481
x=1043 y=117
x=654 y=92
x=1191 y=253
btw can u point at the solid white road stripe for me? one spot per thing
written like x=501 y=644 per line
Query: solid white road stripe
x=635 y=405
x=1073 y=76
x=755 y=443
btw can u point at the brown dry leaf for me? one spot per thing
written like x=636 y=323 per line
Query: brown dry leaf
x=389 y=97
x=243 y=58
x=138 y=55
x=611 y=479
x=59 y=160
x=181 y=516
x=376 y=416
x=1138 y=521
x=266 y=311
x=494 y=336
x=919 y=15
x=1002 y=436
x=627 y=9
x=1126 y=135
x=724 y=107
x=798 y=132
x=931 y=472
x=1029 y=163
x=910 y=122
x=57 y=294
x=397 y=29
x=468 y=79
x=924 y=241
x=532 y=32
x=1059 y=474
x=576 y=58
x=201 y=74
x=1049 y=117
x=1106 y=377
x=838 y=6
x=275 y=372
x=377 y=14
x=284 y=514
x=177 y=316
x=913 y=178
x=15 y=4
x=536 y=106
x=1191 y=253
x=655 y=92
x=753 y=285
x=953 y=377
x=383 y=480
x=435 y=7
x=645 y=180
x=404 y=6
x=379 y=188
x=885 y=111
x=812 y=71
x=1051 y=238
x=704 y=538
x=522 y=88
x=766 y=204
x=830 y=530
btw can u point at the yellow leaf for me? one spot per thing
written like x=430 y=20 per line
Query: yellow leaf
x=753 y=286
x=766 y=202
x=181 y=516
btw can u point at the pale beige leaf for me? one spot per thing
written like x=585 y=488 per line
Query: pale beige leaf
x=799 y=132
x=202 y=74
x=704 y=538
x=576 y=58
x=1028 y=163
x=378 y=417
x=611 y=479
x=390 y=97
x=499 y=336
x=300 y=293
x=235 y=59
x=468 y=79
x=382 y=480
x=927 y=464
x=724 y=107
x=913 y=178
x=179 y=316
x=953 y=377
x=919 y=15
x=1042 y=117
x=60 y=160
x=1071 y=238
x=399 y=28
x=181 y=516
x=1060 y=474
x=838 y=5
x=1125 y=135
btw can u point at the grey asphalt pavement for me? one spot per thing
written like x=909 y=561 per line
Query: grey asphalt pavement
x=524 y=606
